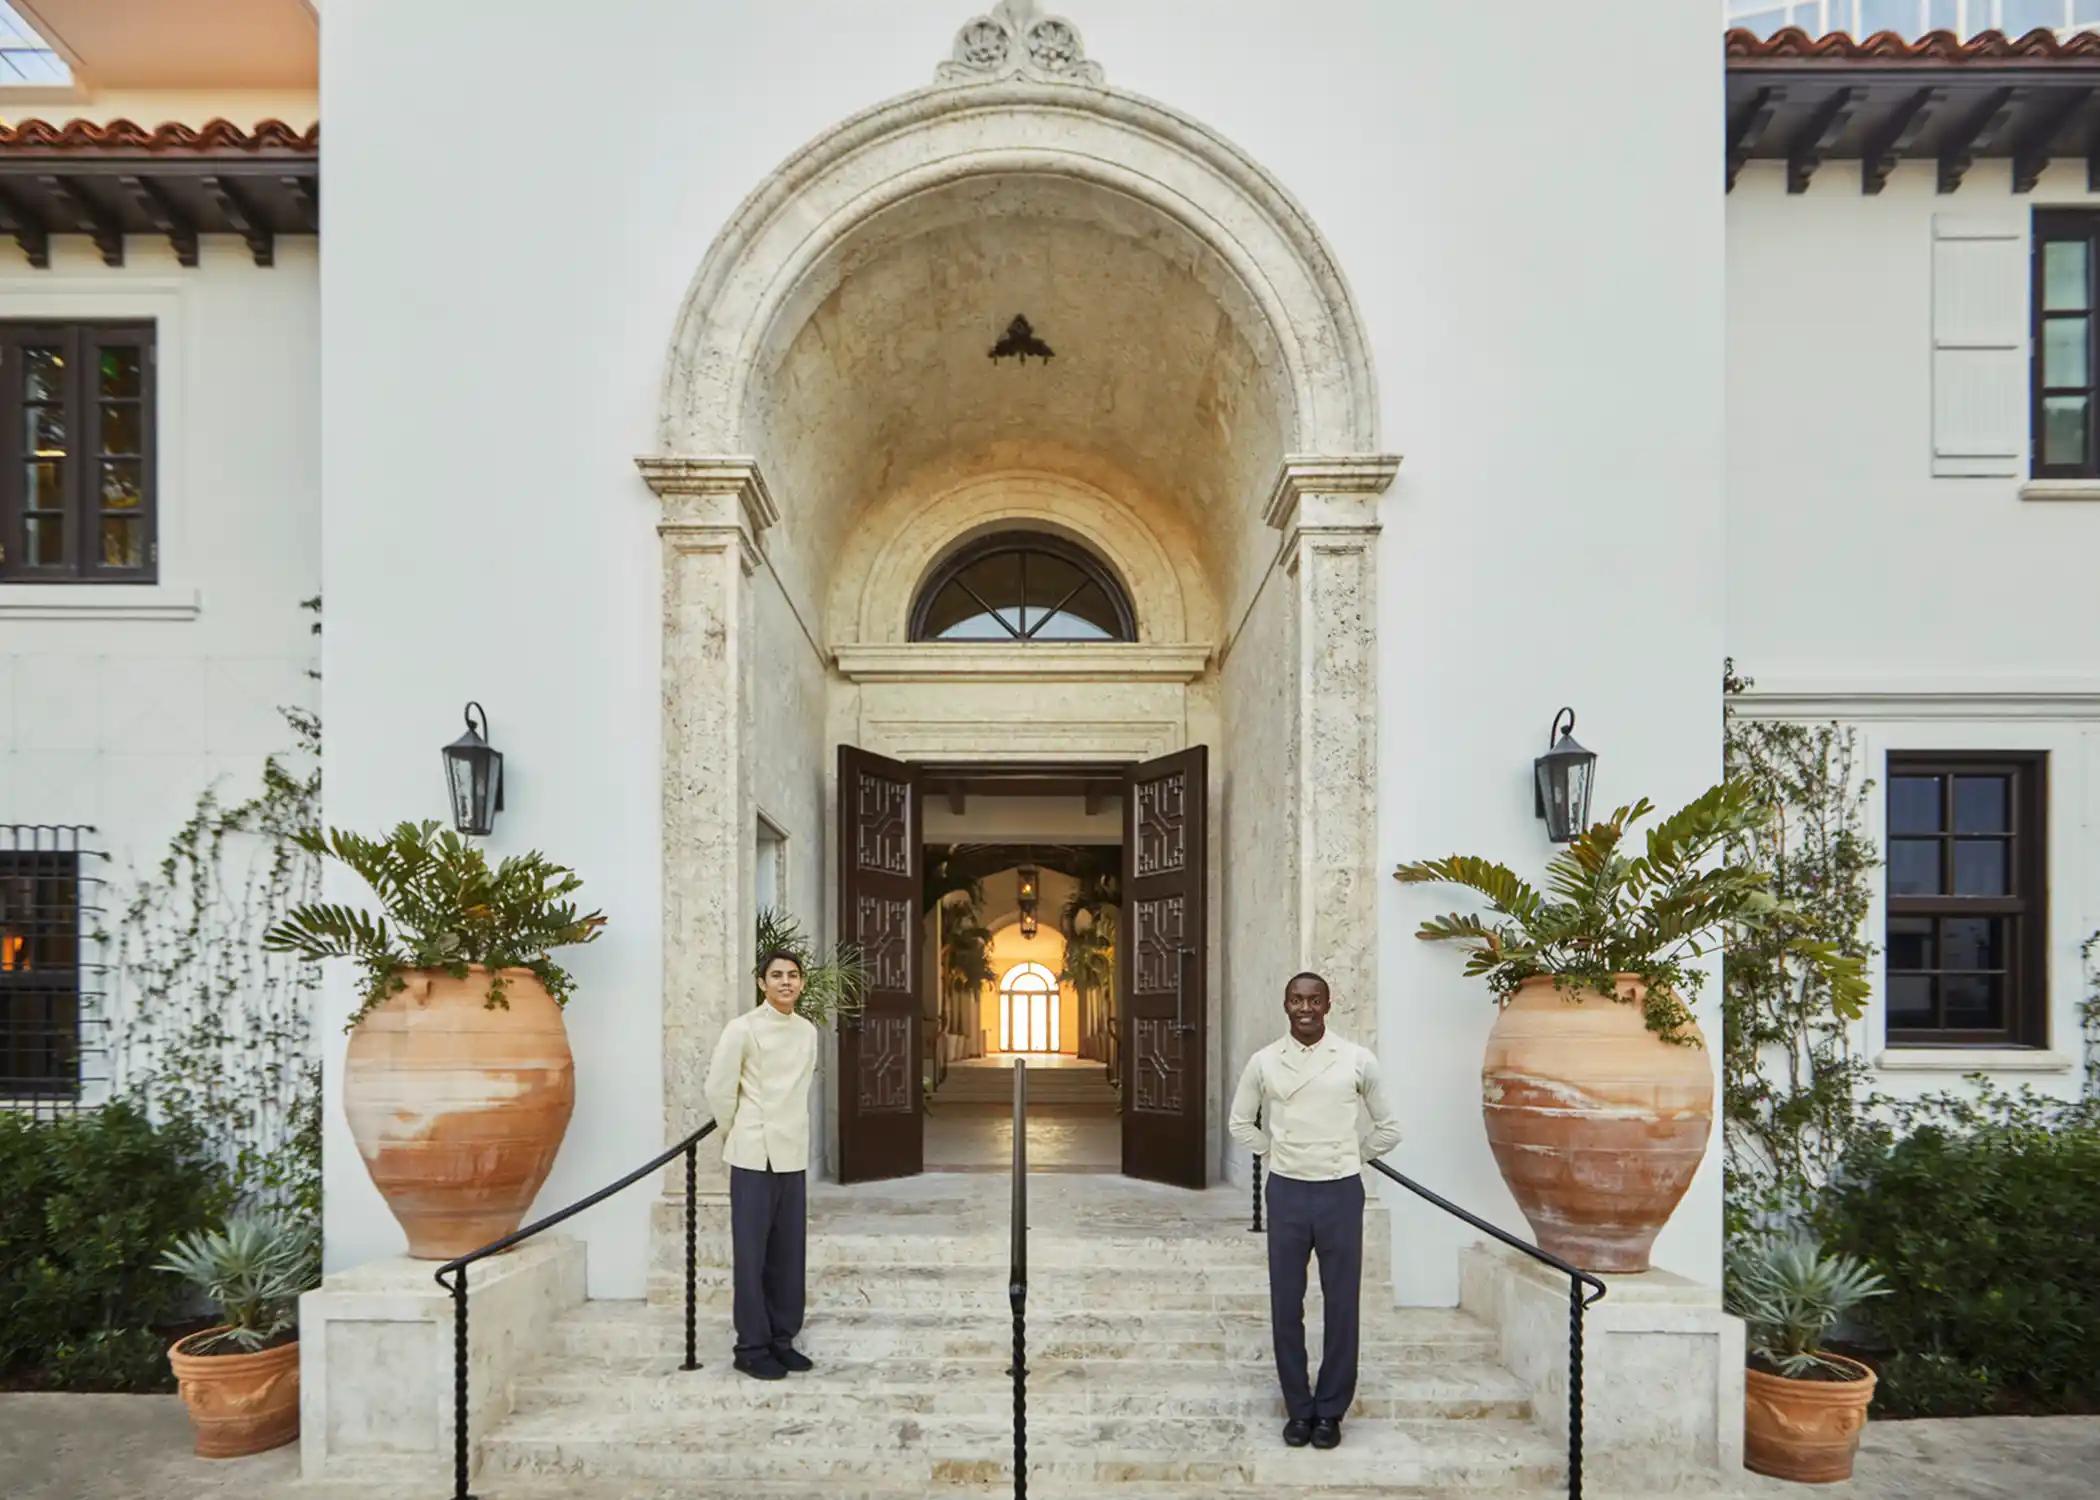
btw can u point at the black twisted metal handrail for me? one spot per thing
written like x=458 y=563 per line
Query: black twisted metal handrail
x=1577 y=1302
x=1017 y=1279
x=457 y=1286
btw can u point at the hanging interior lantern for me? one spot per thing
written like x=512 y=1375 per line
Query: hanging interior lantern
x=1563 y=776
x=1030 y=895
x=474 y=776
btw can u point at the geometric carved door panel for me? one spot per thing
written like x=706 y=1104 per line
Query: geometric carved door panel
x=1165 y=973
x=879 y=895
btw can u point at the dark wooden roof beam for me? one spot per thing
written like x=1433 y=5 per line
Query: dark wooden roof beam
x=1817 y=138
x=247 y=222
x=76 y=213
x=1750 y=126
x=163 y=216
x=1981 y=131
x=1899 y=138
x=305 y=200
x=2031 y=152
x=28 y=230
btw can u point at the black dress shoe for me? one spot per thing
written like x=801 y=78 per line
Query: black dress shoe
x=1327 y=1432
x=793 y=1359
x=1297 y=1432
x=760 y=1366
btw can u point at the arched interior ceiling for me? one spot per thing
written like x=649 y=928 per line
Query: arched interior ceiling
x=1165 y=373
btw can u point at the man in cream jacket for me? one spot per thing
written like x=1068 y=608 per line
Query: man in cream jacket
x=758 y=1087
x=1297 y=1105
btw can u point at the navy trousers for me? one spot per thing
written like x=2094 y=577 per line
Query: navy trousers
x=1324 y=1219
x=768 y=1231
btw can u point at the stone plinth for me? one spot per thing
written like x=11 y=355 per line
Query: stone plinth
x=1662 y=1367
x=375 y=1361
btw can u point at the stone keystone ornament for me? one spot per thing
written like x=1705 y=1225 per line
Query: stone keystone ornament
x=1016 y=40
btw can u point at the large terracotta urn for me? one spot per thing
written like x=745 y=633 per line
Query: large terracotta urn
x=1596 y=1123
x=238 y=1403
x=1805 y=1430
x=459 y=1107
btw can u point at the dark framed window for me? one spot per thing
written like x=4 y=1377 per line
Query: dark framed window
x=1023 y=586
x=40 y=989
x=77 y=482
x=1967 y=899
x=2064 y=357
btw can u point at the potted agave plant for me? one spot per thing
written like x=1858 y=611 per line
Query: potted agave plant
x=1596 y=1090
x=240 y=1378
x=1804 y=1406
x=458 y=1081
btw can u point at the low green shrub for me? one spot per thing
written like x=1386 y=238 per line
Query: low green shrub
x=92 y=1202
x=1984 y=1216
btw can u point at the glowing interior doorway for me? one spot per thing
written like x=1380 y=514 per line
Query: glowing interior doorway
x=1028 y=1019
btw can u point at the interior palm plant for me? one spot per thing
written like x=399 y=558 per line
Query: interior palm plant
x=253 y=1268
x=1606 y=912
x=442 y=907
x=834 y=980
x=1789 y=1295
x=1089 y=923
x=966 y=955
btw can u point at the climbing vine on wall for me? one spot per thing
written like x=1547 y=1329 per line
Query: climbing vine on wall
x=210 y=1028
x=1792 y=1087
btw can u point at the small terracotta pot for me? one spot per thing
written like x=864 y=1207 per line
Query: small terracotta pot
x=239 y=1403
x=1805 y=1430
x=1597 y=1124
x=459 y=1108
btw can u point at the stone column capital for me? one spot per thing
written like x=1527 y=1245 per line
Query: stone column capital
x=705 y=497
x=1329 y=490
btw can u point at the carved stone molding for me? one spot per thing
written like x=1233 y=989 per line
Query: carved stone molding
x=705 y=497
x=1016 y=40
x=1361 y=476
x=1089 y=661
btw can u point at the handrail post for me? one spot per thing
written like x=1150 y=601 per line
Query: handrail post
x=1017 y=1279
x=459 y=1385
x=1255 y=1227
x=692 y=1176
x=1574 y=1389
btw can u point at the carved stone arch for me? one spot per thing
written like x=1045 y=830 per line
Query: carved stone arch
x=899 y=542
x=771 y=257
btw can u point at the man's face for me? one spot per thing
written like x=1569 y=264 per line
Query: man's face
x=1305 y=1002
x=783 y=983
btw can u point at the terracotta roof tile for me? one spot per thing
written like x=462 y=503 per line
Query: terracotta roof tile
x=1792 y=44
x=123 y=135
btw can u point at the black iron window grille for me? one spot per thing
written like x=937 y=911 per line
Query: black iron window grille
x=51 y=1011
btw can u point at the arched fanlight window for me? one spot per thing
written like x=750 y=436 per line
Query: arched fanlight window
x=1023 y=586
x=1028 y=1010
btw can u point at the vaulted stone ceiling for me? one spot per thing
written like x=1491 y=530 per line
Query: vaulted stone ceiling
x=1165 y=385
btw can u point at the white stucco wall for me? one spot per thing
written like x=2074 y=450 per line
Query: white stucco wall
x=119 y=706
x=1926 y=613
x=487 y=536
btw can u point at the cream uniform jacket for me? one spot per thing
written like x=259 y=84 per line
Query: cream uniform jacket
x=758 y=1087
x=1307 y=1098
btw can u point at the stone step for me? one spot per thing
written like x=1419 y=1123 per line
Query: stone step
x=975 y=1291
x=1104 y=1453
x=1395 y=1336
x=1048 y=1251
x=885 y=1391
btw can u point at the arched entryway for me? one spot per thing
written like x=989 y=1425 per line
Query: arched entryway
x=851 y=401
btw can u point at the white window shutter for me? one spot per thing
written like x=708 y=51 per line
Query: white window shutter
x=1979 y=346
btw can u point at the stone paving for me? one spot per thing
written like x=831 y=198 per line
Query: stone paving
x=137 y=1448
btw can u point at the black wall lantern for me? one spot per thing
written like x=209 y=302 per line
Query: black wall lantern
x=474 y=776
x=1563 y=776
x=1030 y=893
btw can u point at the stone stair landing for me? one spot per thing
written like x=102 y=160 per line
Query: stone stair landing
x=1148 y=1349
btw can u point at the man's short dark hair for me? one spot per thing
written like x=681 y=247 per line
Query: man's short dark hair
x=1318 y=979
x=765 y=960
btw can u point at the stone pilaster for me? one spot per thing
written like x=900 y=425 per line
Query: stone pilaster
x=1327 y=510
x=714 y=517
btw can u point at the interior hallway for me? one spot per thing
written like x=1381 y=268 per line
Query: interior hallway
x=1073 y=1122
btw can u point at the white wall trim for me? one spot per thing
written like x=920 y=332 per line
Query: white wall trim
x=2060 y=489
x=2005 y=701
x=100 y=601
x=1971 y=1060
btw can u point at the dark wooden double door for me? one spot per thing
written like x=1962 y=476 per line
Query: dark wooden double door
x=1163 y=973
